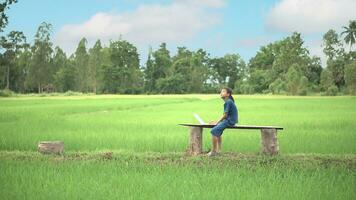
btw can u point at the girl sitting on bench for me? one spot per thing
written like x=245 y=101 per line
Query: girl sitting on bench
x=229 y=118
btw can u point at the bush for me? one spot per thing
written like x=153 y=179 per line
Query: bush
x=6 y=93
x=350 y=77
x=332 y=90
x=72 y=93
x=303 y=86
x=277 y=87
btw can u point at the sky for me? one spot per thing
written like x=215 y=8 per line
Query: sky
x=218 y=26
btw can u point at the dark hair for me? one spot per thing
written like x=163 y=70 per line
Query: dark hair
x=229 y=91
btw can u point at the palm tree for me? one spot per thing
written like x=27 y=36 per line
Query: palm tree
x=350 y=31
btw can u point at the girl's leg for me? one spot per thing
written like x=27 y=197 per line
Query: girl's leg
x=215 y=141
x=216 y=132
x=219 y=144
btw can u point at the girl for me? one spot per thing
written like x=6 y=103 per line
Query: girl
x=229 y=118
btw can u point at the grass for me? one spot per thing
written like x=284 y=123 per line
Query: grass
x=317 y=148
x=312 y=124
x=175 y=176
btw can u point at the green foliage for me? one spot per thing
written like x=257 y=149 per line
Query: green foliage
x=3 y=17
x=332 y=90
x=303 y=86
x=332 y=45
x=337 y=68
x=350 y=33
x=123 y=74
x=40 y=70
x=326 y=79
x=6 y=93
x=158 y=66
x=228 y=69
x=293 y=80
x=350 y=77
x=258 y=80
x=172 y=84
x=64 y=78
x=95 y=66
x=81 y=59
x=278 y=86
x=281 y=67
x=13 y=44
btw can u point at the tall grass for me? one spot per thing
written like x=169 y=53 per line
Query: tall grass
x=149 y=123
x=130 y=176
x=317 y=148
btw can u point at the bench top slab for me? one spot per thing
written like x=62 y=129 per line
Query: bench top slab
x=235 y=126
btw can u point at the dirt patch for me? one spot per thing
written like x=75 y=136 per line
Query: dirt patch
x=225 y=159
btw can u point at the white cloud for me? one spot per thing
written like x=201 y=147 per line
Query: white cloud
x=147 y=24
x=206 y=3
x=311 y=16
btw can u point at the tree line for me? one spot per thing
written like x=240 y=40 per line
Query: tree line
x=282 y=67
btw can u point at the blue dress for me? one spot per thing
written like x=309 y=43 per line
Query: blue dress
x=232 y=118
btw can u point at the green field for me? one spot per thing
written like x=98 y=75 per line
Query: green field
x=317 y=148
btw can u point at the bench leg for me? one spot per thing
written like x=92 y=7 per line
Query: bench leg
x=269 y=141
x=196 y=140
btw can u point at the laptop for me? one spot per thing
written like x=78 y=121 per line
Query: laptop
x=200 y=120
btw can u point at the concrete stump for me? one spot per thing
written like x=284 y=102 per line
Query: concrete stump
x=196 y=140
x=269 y=141
x=47 y=147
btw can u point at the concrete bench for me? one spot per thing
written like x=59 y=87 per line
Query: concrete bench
x=269 y=141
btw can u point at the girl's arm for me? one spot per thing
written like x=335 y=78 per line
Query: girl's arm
x=222 y=118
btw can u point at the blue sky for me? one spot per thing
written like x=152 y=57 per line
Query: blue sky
x=218 y=26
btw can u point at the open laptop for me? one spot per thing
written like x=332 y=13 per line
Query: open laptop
x=200 y=120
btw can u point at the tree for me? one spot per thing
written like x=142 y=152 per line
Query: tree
x=350 y=77
x=258 y=81
x=59 y=60
x=290 y=52
x=23 y=63
x=123 y=75
x=40 y=72
x=199 y=73
x=332 y=45
x=182 y=70
x=350 y=33
x=3 y=17
x=265 y=57
x=260 y=68
x=326 y=80
x=13 y=44
x=189 y=69
x=158 y=65
x=297 y=83
x=149 y=85
x=228 y=69
x=64 y=79
x=278 y=86
x=63 y=71
x=162 y=63
x=303 y=86
x=171 y=84
x=81 y=65
x=314 y=70
x=337 y=68
x=269 y=68
x=236 y=68
x=95 y=63
x=293 y=80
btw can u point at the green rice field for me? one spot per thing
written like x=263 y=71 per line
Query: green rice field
x=131 y=147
